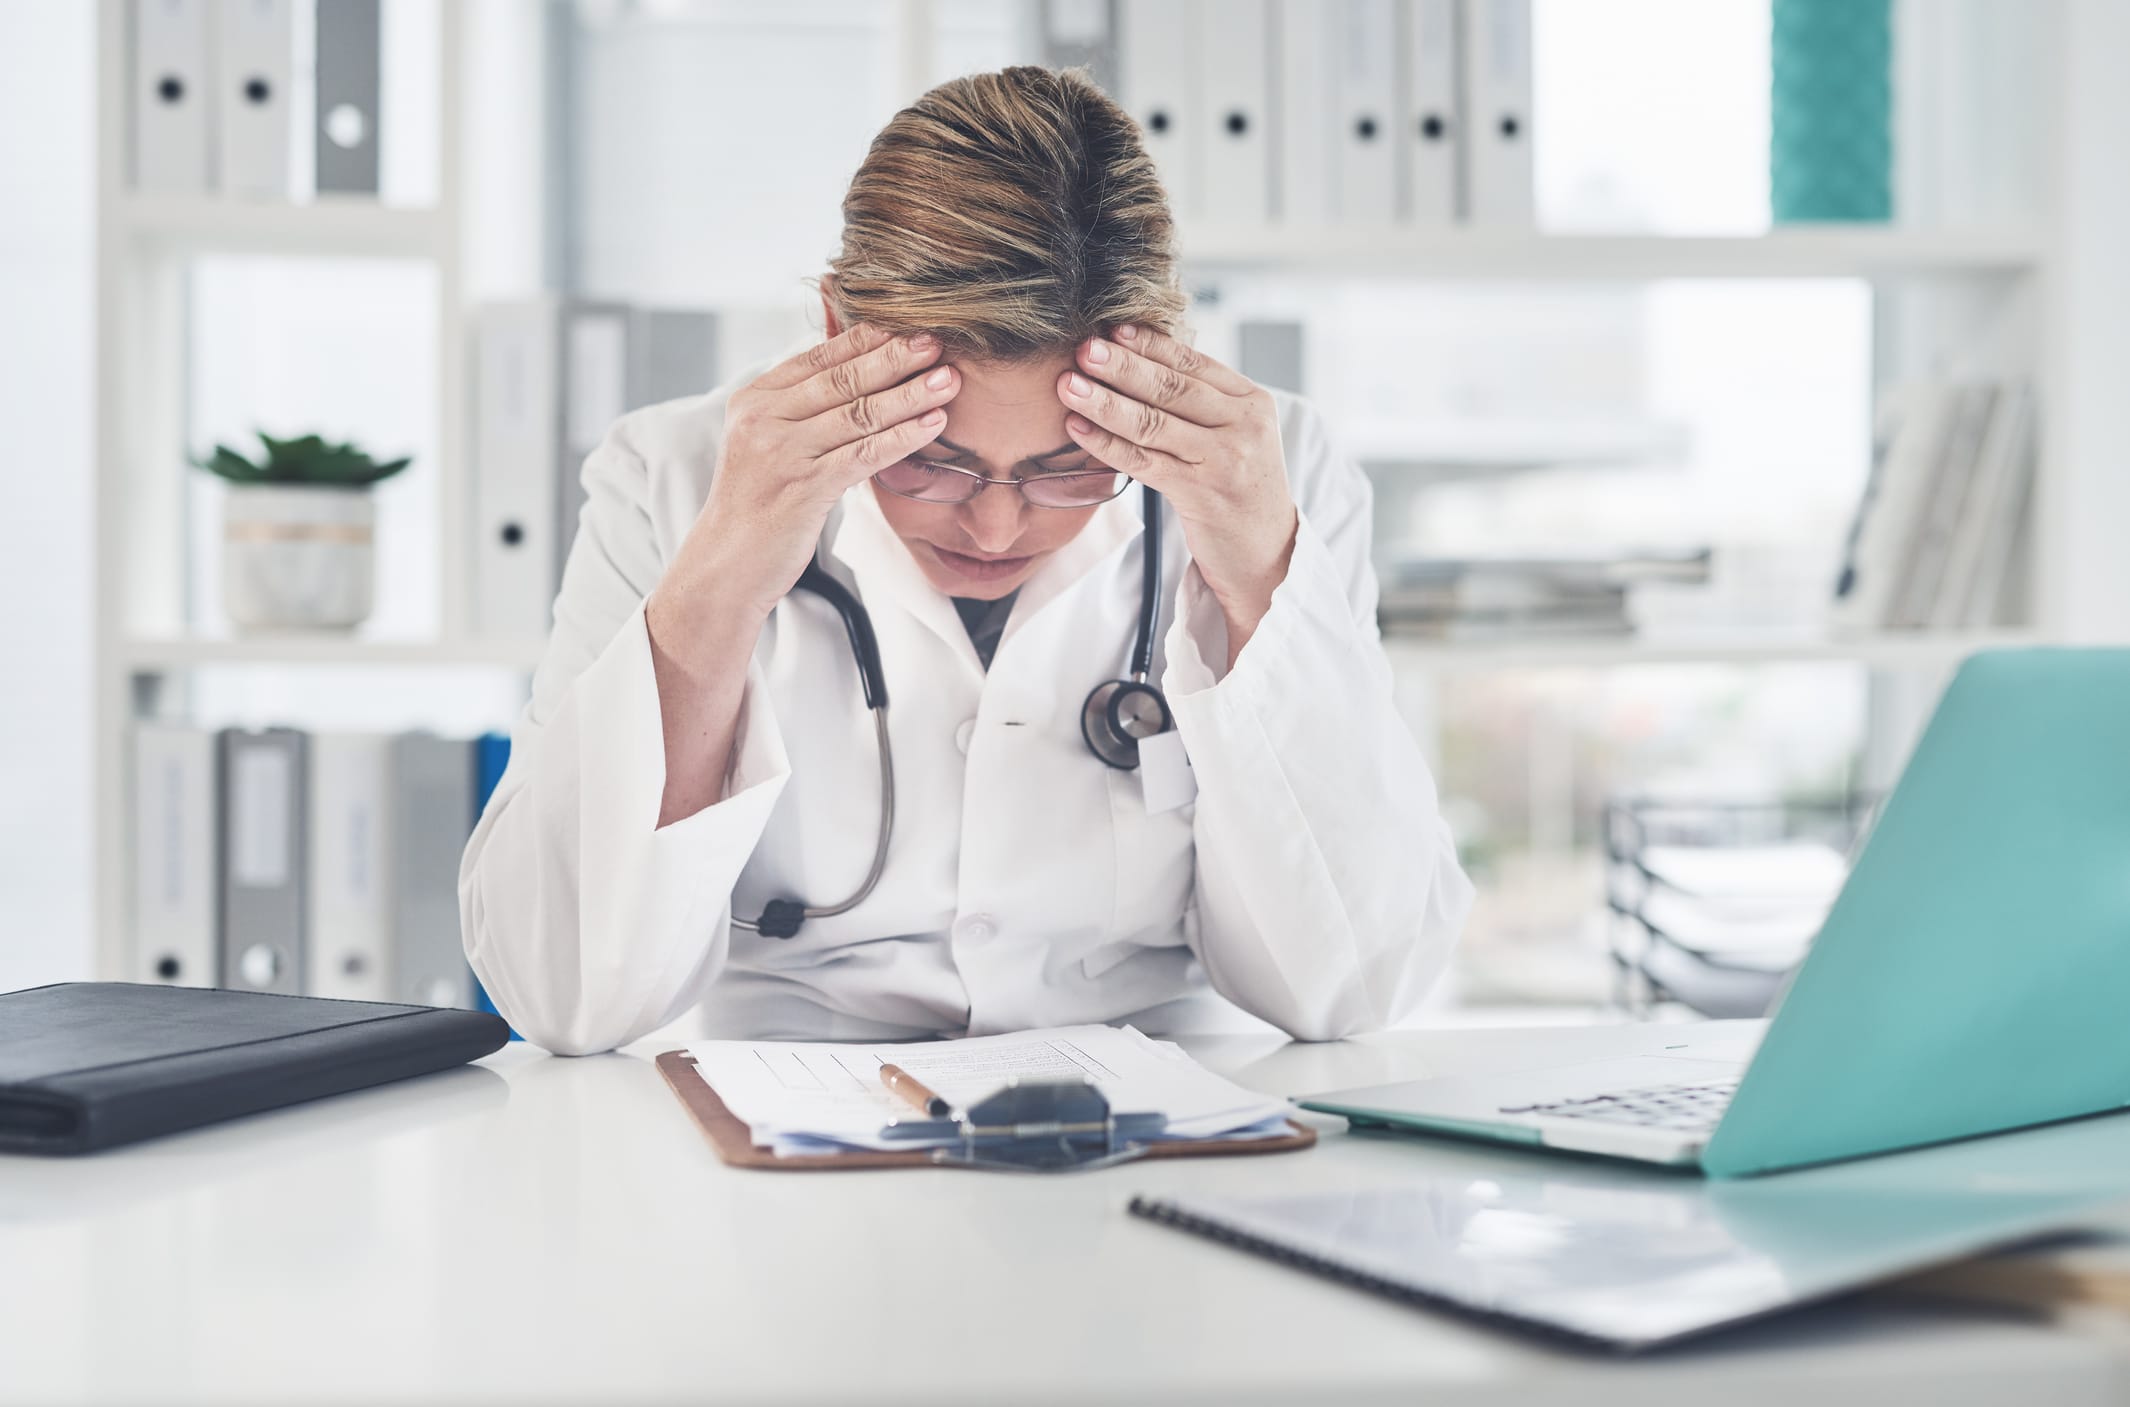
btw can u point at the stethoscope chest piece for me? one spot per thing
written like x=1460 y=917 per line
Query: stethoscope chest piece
x=1117 y=715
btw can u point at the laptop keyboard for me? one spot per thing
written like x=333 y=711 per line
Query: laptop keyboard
x=1674 y=1108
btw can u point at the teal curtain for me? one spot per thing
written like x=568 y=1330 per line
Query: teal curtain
x=1831 y=110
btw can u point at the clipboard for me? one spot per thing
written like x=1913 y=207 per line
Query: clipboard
x=734 y=1144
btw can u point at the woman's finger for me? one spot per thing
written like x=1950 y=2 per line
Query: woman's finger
x=854 y=420
x=854 y=340
x=894 y=360
x=859 y=460
x=1150 y=466
x=1146 y=425
x=1161 y=347
x=1144 y=379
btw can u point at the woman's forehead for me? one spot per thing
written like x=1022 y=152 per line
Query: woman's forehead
x=1009 y=412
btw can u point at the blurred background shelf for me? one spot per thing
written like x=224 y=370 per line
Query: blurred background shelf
x=1929 y=650
x=349 y=227
x=1603 y=376
x=1796 y=251
x=145 y=655
x=1453 y=449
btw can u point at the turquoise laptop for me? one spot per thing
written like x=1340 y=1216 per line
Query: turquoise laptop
x=1972 y=977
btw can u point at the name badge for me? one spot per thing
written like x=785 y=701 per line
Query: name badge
x=1165 y=776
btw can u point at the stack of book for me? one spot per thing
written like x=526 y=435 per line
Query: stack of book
x=1497 y=598
x=319 y=864
x=1934 y=539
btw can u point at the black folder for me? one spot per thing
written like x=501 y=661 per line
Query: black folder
x=91 y=1065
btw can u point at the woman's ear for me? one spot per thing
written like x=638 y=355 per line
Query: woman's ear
x=830 y=326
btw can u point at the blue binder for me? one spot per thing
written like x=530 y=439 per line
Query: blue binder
x=491 y=754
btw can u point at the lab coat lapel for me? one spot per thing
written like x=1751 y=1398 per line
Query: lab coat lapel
x=1114 y=524
x=886 y=574
x=864 y=543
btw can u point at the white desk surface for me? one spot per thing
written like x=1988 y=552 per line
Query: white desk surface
x=534 y=1230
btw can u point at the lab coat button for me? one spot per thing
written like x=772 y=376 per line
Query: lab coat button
x=962 y=735
x=976 y=928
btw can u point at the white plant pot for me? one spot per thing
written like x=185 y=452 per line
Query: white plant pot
x=297 y=557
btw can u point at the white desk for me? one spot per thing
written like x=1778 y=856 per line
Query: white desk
x=536 y=1230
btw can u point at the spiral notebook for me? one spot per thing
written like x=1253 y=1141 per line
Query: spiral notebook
x=1628 y=1259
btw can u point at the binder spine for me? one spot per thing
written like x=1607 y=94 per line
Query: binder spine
x=350 y=38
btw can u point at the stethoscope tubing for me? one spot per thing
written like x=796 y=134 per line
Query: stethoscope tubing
x=783 y=917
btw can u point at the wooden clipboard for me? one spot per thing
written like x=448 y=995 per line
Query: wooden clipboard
x=734 y=1144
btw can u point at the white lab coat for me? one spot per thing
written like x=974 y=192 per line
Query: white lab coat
x=1312 y=882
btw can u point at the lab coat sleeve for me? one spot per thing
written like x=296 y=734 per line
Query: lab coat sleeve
x=1328 y=893
x=588 y=924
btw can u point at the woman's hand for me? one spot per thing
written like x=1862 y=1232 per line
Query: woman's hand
x=796 y=439
x=1207 y=439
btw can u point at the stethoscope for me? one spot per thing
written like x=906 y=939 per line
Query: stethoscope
x=1117 y=714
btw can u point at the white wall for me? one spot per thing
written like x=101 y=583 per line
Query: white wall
x=47 y=181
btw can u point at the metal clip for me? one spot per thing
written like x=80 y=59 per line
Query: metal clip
x=1047 y=1126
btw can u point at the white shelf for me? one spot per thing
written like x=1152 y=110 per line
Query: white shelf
x=145 y=656
x=1923 y=649
x=329 y=226
x=1802 y=251
x=1457 y=448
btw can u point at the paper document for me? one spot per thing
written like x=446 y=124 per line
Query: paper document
x=799 y=1096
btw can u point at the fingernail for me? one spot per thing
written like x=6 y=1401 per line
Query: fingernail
x=1076 y=425
x=1127 y=333
x=938 y=379
x=932 y=417
x=919 y=342
x=1077 y=384
x=1098 y=352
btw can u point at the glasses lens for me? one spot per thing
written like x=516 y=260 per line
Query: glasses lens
x=1073 y=490
x=934 y=483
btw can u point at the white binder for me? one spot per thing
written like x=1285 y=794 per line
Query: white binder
x=172 y=94
x=1234 y=102
x=550 y=378
x=345 y=143
x=1431 y=138
x=432 y=818
x=1158 y=60
x=255 y=41
x=1303 y=112
x=351 y=855
x=1365 y=185
x=517 y=460
x=176 y=868
x=1498 y=118
x=1080 y=34
x=263 y=859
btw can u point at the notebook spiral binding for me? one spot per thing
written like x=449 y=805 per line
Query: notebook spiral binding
x=1169 y=1214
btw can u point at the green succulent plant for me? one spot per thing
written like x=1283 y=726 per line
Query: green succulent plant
x=307 y=460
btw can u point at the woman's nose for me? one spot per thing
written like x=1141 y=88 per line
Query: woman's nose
x=993 y=518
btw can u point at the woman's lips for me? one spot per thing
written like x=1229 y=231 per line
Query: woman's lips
x=978 y=568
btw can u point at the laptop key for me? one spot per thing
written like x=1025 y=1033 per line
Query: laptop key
x=1680 y=1108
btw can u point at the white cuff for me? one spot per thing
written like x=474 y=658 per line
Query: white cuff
x=1310 y=596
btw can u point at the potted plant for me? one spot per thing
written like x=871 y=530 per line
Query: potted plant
x=297 y=530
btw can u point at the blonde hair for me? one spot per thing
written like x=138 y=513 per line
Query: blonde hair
x=1010 y=214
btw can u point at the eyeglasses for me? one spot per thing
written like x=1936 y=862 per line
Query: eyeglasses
x=943 y=483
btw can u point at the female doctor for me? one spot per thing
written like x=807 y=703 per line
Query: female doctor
x=1129 y=746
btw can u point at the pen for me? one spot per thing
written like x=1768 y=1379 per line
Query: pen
x=907 y=1085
